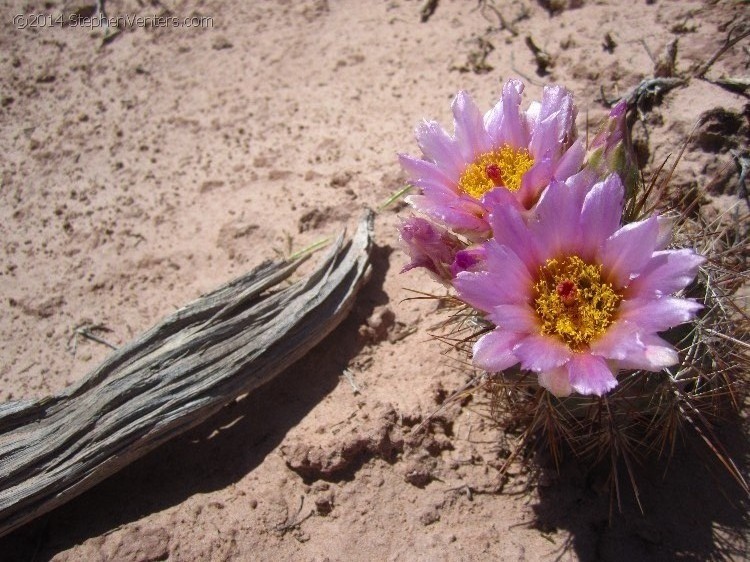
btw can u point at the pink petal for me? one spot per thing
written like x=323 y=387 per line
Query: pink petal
x=534 y=181
x=532 y=114
x=656 y=315
x=493 y=121
x=571 y=161
x=453 y=212
x=557 y=101
x=500 y=197
x=439 y=147
x=512 y=130
x=629 y=249
x=668 y=271
x=655 y=355
x=471 y=136
x=427 y=173
x=434 y=190
x=590 y=374
x=557 y=381
x=509 y=229
x=544 y=139
x=470 y=259
x=541 y=353
x=507 y=281
x=515 y=318
x=582 y=182
x=479 y=289
x=601 y=213
x=493 y=352
x=555 y=226
x=555 y=122
x=510 y=271
x=634 y=349
x=619 y=341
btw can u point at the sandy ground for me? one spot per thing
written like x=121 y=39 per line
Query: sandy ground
x=140 y=172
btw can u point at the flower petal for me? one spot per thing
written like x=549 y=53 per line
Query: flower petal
x=534 y=181
x=428 y=246
x=668 y=271
x=557 y=381
x=470 y=259
x=509 y=128
x=510 y=270
x=634 y=349
x=509 y=229
x=470 y=134
x=544 y=141
x=581 y=182
x=479 y=289
x=532 y=113
x=555 y=123
x=557 y=101
x=571 y=161
x=493 y=121
x=515 y=318
x=555 y=226
x=439 y=147
x=590 y=374
x=601 y=213
x=494 y=351
x=427 y=174
x=507 y=281
x=620 y=340
x=541 y=353
x=655 y=355
x=459 y=214
x=629 y=249
x=656 y=315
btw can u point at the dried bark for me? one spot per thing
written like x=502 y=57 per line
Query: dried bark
x=172 y=378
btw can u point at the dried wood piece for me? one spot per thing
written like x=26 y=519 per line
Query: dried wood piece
x=172 y=378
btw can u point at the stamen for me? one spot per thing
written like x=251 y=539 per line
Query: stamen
x=573 y=302
x=502 y=167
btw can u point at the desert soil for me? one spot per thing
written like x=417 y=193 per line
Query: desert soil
x=142 y=170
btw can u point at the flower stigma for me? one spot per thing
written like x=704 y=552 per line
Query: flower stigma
x=503 y=167
x=573 y=302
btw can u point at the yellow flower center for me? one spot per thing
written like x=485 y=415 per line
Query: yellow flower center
x=573 y=302
x=502 y=167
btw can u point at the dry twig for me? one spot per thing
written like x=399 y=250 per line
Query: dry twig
x=172 y=378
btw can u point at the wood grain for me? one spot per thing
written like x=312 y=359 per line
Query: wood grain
x=172 y=378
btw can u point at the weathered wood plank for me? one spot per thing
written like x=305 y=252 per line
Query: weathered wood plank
x=172 y=378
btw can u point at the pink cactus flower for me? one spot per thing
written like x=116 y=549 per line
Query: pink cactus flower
x=506 y=149
x=574 y=295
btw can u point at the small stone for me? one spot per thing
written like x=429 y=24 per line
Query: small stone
x=324 y=503
x=221 y=43
x=429 y=516
x=341 y=179
x=417 y=475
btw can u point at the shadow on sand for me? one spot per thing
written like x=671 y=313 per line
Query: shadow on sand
x=203 y=460
x=693 y=509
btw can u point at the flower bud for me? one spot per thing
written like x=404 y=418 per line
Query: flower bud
x=612 y=151
x=429 y=246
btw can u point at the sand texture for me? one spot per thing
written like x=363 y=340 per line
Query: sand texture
x=141 y=170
